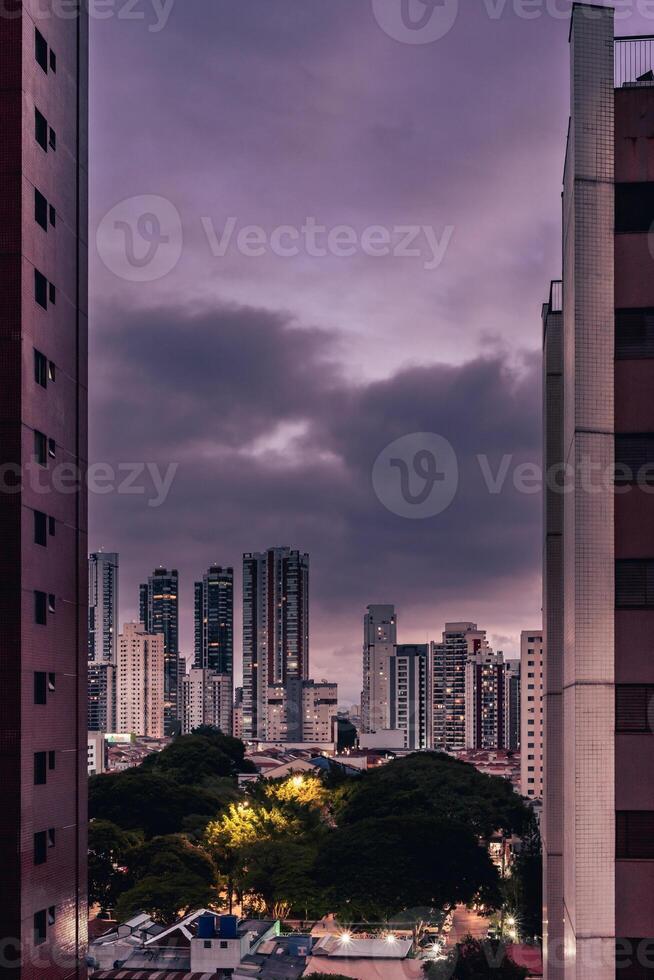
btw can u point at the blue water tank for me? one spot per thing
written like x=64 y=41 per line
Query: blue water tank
x=228 y=927
x=207 y=926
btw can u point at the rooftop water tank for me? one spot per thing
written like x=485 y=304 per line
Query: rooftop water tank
x=207 y=926
x=228 y=927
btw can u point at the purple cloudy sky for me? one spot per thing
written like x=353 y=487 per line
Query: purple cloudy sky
x=275 y=381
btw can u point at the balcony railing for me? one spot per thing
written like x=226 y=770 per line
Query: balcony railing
x=634 y=60
x=556 y=296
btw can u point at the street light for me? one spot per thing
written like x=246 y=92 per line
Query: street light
x=345 y=937
x=390 y=938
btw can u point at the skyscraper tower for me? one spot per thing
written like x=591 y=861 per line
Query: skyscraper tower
x=448 y=682
x=379 y=639
x=43 y=422
x=159 y=613
x=214 y=620
x=275 y=631
x=599 y=521
x=103 y=632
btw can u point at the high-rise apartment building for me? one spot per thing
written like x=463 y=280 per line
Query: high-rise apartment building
x=214 y=620
x=43 y=423
x=408 y=690
x=103 y=634
x=486 y=701
x=379 y=639
x=514 y=710
x=140 y=681
x=448 y=682
x=237 y=713
x=206 y=699
x=159 y=613
x=531 y=697
x=319 y=708
x=275 y=631
x=599 y=537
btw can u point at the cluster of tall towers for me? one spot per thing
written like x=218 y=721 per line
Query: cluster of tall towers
x=276 y=685
x=453 y=695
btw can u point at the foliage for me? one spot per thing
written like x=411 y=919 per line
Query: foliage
x=279 y=873
x=526 y=883
x=152 y=867
x=473 y=959
x=435 y=783
x=108 y=847
x=306 y=791
x=205 y=754
x=377 y=867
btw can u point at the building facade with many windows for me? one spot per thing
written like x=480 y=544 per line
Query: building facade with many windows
x=159 y=613
x=379 y=639
x=103 y=635
x=43 y=524
x=531 y=699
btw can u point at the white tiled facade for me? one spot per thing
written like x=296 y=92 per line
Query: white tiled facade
x=140 y=682
x=206 y=699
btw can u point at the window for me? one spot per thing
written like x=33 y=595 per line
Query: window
x=52 y=526
x=41 y=50
x=40 y=687
x=40 y=368
x=52 y=915
x=52 y=371
x=40 y=528
x=52 y=449
x=634 y=833
x=53 y=62
x=52 y=293
x=40 y=289
x=634 y=458
x=634 y=708
x=40 y=608
x=224 y=944
x=52 y=141
x=51 y=760
x=207 y=944
x=634 y=333
x=40 y=448
x=40 y=768
x=40 y=209
x=41 y=129
x=51 y=603
x=51 y=837
x=634 y=583
x=40 y=847
x=52 y=215
x=634 y=207
x=39 y=927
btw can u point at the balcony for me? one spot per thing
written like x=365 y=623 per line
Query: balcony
x=634 y=61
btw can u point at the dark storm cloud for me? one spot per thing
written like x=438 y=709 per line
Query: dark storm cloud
x=275 y=445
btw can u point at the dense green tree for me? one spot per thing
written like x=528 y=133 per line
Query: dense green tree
x=165 y=898
x=473 y=959
x=437 y=784
x=204 y=755
x=527 y=883
x=377 y=867
x=108 y=847
x=172 y=854
x=280 y=872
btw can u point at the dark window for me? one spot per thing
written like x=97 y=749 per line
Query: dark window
x=52 y=215
x=634 y=583
x=40 y=927
x=51 y=682
x=40 y=289
x=40 y=768
x=40 y=608
x=41 y=50
x=634 y=834
x=224 y=945
x=634 y=207
x=634 y=458
x=53 y=61
x=52 y=526
x=40 y=528
x=634 y=333
x=51 y=603
x=40 y=368
x=40 y=847
x=52 y=371
x=52 y=293
x=51 y=760
x=41 y=129
x=51 y=837
x=634 y=708
x=40 y=687
x=40 y=209
x=52 y=449
x=207 y=944
x=52 y=915
x=53 y=139
x=40 y=448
